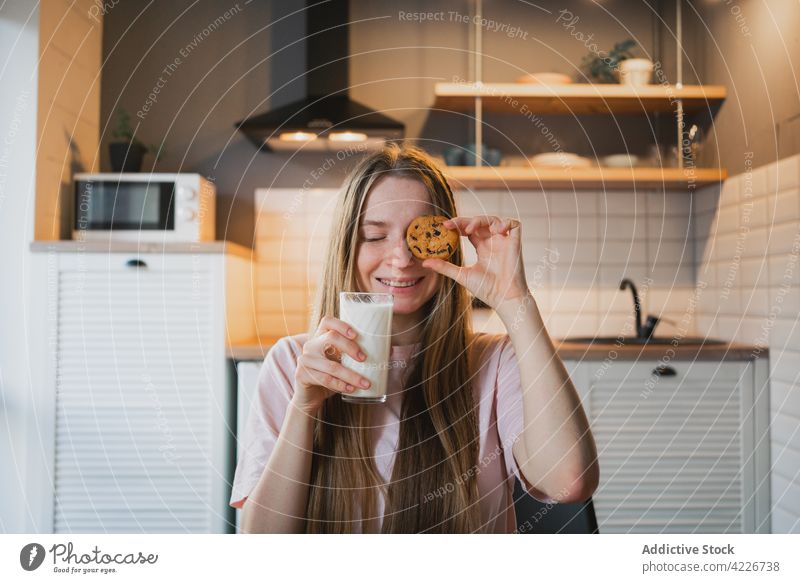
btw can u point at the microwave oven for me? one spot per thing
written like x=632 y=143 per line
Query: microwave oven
x=144 y=207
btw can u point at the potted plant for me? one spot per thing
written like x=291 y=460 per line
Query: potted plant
x=127 y=152
x=604 y=68
x=636 y=72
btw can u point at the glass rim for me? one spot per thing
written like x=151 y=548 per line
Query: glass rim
x=387 y=297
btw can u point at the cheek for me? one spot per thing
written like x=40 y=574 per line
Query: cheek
x=433 y=281
x=367 y=262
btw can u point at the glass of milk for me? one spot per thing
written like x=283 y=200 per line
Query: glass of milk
x=371 y=316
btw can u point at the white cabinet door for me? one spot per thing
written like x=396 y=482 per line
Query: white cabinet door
x=670 y=444
x=137 y=393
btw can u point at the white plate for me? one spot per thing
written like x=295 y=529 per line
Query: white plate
x=560 y=159
x=620 y=161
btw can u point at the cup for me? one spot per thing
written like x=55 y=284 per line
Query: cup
x=370 y=314
x=636 y=72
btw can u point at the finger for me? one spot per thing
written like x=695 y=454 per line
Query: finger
x=445 y=268
x=511 y=228
x=456 y=224
x=481 y=225
x=469 y=229
x=318 y=378
x=471 y=225
x=498 y=228
x=334 y=345
x=336 y=376
x=504 y=226
x=331 y=323
x=310 y=374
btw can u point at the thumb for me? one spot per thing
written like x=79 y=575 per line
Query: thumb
x=444 y=267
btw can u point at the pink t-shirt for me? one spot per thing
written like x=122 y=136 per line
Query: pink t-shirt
x=497 y=389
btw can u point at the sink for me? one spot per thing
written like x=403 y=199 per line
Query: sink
x=686 y=340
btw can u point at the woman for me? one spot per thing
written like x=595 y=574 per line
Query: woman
x=441 y=454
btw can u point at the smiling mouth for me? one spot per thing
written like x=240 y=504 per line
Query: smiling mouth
x=400 y=283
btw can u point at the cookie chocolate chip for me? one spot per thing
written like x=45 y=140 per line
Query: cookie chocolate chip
x=427 y=237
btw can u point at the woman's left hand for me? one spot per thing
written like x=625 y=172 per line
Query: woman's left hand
x=499 y=272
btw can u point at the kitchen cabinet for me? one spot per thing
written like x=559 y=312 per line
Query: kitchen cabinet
x=476 y=98
x=135 y=409
x=247 y=383
x=576 y=99
x=683 y=446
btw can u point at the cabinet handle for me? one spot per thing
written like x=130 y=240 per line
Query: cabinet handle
x=135 y=263
x=664 y=370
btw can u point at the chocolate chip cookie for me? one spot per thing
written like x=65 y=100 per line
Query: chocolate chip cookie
x=426 y=237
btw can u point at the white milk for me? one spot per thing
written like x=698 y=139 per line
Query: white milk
x=373 y=322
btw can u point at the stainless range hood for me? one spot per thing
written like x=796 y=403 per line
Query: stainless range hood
x=327 y=119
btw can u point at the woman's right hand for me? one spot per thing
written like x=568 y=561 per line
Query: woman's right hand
x=319 y=374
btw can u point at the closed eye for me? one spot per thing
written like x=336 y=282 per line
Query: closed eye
x=373 y=240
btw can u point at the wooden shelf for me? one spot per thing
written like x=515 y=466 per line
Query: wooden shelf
x=498 y=177
x=576 y=98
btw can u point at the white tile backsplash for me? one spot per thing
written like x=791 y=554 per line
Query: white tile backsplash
x=286 y=250
x=575 y=250
x=706 y=200
x=728 y=219
x=749 y=257
x=622 y=227
x=754 y=184
x=753 y=272
x=622 y=251
x=526 y=204
x=612 y=273
x=614 y=300
x=670 y=252
x=568 y=228
x=783 y=238
x=614 y=203
x=729 y=192
x=783 y=207
x=286 y=299
x=671 y=203
x=571 y=204
x=785 y=374
x=756 y=212
x=616 y=324
x=784 y=175
x=667 y=227
x=582 y=227
x=478 y=202
x=286 y=273
x=783 y=270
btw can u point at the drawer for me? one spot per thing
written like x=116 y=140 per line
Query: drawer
x=130 y=261
x=673 y=372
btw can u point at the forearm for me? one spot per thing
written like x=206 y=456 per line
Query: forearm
x=278 y=502
x=557 y=447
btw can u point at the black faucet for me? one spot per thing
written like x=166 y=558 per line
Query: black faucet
x=642 y=331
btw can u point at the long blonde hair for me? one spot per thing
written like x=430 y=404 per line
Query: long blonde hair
x=438 y=445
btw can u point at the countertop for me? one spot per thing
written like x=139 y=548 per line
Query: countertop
x=487 y=321
x=141 y=247
x=257 y=348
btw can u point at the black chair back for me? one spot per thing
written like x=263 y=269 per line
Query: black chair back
x=534 y=517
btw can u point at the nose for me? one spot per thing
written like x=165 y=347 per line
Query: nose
x=401 y=255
